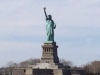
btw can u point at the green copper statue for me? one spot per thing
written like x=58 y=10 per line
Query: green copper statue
x=50 y=26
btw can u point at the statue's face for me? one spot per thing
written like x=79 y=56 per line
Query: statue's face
x=49 y=16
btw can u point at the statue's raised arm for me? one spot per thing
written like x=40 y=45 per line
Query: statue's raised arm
x=45 y=12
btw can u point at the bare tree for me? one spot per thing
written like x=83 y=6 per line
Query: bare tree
x=29 y=62
x=66 y=63
x=12 y=64
x=93 y=68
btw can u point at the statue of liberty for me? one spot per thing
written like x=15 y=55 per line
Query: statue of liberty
x=50 y=26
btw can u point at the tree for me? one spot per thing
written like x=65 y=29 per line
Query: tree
x=93 y=68
x=66 y=63
x=29 y=62
x=12 y=64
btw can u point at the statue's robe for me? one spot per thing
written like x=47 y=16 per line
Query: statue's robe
x=50 y=26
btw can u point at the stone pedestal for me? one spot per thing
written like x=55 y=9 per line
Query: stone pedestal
x=49 y=54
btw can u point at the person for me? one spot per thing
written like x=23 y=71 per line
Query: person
x=50 y=26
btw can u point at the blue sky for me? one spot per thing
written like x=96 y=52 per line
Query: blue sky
x=22 y=29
